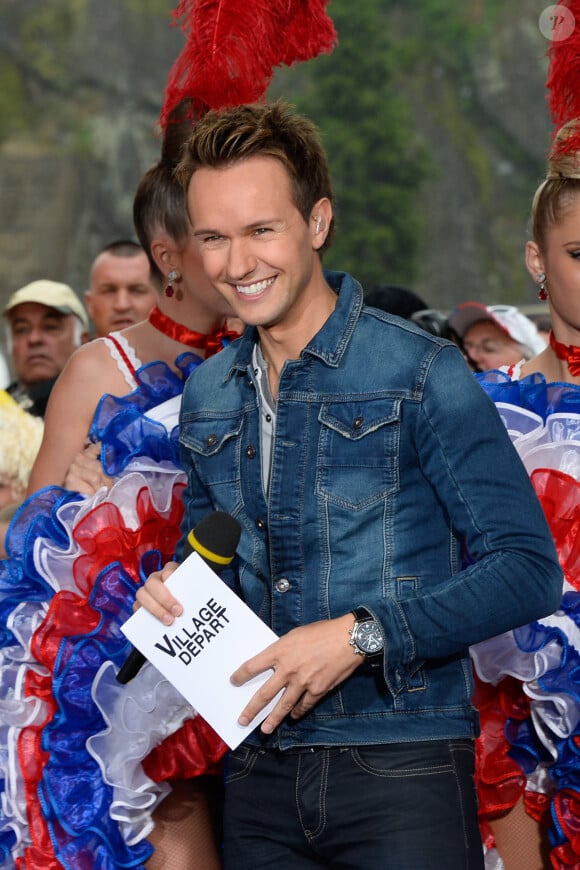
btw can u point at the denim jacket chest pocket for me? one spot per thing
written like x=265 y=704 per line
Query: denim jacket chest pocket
x=214 y=446
x=358 y=451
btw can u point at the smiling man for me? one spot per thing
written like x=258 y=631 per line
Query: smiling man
x=46 y=323
x=363 y=462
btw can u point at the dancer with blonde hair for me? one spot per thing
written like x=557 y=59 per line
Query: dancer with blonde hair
x=529 y=690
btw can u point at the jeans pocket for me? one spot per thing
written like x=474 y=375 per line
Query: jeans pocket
x=239 y=763
x=403 y=760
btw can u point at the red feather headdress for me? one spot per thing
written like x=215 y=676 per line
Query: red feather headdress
x=233 y=46
x=563 y=82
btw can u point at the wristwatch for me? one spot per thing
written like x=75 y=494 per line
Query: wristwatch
x=366 y=635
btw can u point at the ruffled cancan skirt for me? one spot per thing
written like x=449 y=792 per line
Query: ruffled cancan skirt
x=528 y=680
x=84 y=761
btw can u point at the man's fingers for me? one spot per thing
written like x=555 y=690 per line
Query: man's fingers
x=291 y=696
x=263 y=661
x=156 y=597
x=244 y=673
x=304 y=704
x=285 y=707
x=263 y=697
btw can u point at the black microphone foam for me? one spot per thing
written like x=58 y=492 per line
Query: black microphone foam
x=215 y=539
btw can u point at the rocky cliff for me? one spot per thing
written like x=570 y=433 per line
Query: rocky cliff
x=81 y=85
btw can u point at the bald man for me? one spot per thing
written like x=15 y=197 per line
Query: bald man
x=121 y=292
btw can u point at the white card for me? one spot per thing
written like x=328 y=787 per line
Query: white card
x=201 y=650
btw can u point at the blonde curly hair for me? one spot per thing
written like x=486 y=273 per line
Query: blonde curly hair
x=20 y=437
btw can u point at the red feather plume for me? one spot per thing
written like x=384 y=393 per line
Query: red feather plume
x=563 y=82
x=233 y=46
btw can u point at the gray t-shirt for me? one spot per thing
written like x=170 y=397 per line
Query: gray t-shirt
x=267 y=412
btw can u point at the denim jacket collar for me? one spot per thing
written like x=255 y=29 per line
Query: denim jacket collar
x=330 y=342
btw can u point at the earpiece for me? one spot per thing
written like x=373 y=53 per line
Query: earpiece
x=317 y=223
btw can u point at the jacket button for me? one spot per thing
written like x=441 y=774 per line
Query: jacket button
x=282 y=585
x=260 y=524
x=250 y=452
x=211 y=440
x=358 y=422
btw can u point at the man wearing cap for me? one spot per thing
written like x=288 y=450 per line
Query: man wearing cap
x=495 y=336
x=46 y=323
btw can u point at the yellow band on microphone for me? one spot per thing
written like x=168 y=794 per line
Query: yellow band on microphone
x=207 y=554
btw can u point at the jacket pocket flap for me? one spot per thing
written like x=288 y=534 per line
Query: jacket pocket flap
x=207 y=437
x=354 y=420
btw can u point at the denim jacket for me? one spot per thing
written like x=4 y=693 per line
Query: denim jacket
x=393 y=486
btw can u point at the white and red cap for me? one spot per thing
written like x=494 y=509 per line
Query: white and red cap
x=507 y=317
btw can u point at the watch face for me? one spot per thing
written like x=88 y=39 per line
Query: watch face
x=369 y=637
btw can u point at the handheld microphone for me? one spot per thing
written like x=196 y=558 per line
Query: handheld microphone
x=214 y=539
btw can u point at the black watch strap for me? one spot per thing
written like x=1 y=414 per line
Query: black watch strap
x=361 y=614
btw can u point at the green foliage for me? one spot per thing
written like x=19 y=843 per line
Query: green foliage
x=399 y=68
x=356 y=96
x=47 y=37
x=445 y=33
x=151 y=8
x=14 y=116
x=35 y=58
x=376 y=161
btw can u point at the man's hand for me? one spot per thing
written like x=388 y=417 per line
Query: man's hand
x=86 y=474
x=308 y=662
x=155 y=597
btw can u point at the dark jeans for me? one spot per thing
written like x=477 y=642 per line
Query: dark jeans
x=394 y=807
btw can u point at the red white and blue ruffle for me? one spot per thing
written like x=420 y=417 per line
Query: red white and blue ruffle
x=528 y=680
x=84 y=761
